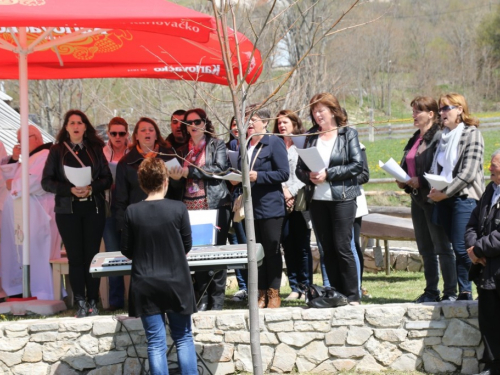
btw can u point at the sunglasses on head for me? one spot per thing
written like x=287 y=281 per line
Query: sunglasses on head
x=193 y=122
x=447 y=108
x=121 y=134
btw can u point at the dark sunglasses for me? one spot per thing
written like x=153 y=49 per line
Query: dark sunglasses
x=447 y=108
x=121 y=134
x=194 y=122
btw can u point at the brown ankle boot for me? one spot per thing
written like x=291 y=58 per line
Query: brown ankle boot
x=273 y=298
x=261 y=302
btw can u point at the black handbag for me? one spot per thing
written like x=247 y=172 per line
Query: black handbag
x=319 y=297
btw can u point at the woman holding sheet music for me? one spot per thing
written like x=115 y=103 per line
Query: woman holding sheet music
x=331 y=192
x=80 y=211
x=203 y=156
x=296 y=232
x=458 y=158
x=432 y=242
x=147 y=142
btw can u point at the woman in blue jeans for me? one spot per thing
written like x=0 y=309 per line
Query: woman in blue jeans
x=458 y=158
x=157 y=236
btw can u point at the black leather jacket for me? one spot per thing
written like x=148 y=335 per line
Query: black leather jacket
x=423 y=160
x=346 y=163
x=216 y=161
x=127 y=189
x=483 y=232
x=54 y=179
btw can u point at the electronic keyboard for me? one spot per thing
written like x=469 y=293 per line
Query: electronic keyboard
x=203 y=258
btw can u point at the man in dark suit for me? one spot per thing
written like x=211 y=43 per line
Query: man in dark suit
x=482 y=239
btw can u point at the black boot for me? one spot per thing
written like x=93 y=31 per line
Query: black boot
x=92 y=311
x=81 y=311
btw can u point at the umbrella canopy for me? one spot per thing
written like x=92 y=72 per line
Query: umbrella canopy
x=105 y=39
x=117 y=38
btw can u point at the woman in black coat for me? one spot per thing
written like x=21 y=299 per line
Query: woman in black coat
x=202 y=155
x=332 y=192
x=146 y=142
x=157 y=236
x=80 y=210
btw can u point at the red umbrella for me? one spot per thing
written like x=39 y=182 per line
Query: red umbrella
x=112 y=38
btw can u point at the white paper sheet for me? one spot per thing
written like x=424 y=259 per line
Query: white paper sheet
x=112 y=167
x=394 y=170
x=78 y=176
x=436 y=181
x=299 y=141
x=362 y=209
x=9 y=170
x=231 y=176
x=312 y=158
x=172 y=163
x=233 y=158
x=201 y=220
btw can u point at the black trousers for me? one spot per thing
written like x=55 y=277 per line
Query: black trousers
x=268 y=234
x=216 y=289
x=489 y=325
x=81 y=233
x=333 y=222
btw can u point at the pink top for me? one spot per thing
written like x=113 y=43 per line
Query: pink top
x=410 y=158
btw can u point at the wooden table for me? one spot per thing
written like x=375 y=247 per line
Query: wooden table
x=385 y=227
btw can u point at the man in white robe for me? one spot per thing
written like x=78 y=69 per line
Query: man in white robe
x=3 y=195
x=45 y=242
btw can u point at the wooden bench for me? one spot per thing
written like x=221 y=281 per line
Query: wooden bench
x=385 y=227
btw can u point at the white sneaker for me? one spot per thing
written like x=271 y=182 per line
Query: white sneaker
x=240 y=295
x=293 y=296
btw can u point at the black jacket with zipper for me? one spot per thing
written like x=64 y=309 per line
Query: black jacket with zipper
x=423 y=160
x=346 y=163
x=127 y=189
x=216 y=161
x=483 y=232
x=54 y=179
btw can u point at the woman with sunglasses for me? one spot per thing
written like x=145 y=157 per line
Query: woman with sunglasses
x=114 y=150
x=432 y=242
x=203 y=155
x=458 y=158
x=80 y=211
x=147 y=142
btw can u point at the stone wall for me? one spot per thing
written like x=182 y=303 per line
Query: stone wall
x=436 y=338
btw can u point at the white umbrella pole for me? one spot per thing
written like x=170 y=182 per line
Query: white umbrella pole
x=25 y=191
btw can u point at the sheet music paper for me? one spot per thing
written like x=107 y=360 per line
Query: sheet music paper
x=311 y=157
x=231 y=176
x=394 y=170
x=436 y=181
x=299 y=141
x=78 y=176
x=172 y=163
x=233 y=158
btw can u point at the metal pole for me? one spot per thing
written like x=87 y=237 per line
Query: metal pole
x=25 y=191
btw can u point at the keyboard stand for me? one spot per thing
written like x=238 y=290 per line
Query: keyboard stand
x=176 y=371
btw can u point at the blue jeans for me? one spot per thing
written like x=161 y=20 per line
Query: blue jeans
x=356 y=258
x=296 y=240
x=239 y=237
x=180 y=327
x=111 y=238
x=453 y=214
x=324 y=275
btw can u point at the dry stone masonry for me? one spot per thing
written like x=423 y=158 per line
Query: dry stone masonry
x=435 y=338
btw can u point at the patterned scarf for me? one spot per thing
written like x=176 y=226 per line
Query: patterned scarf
x=195 y=196
x=149 y=154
